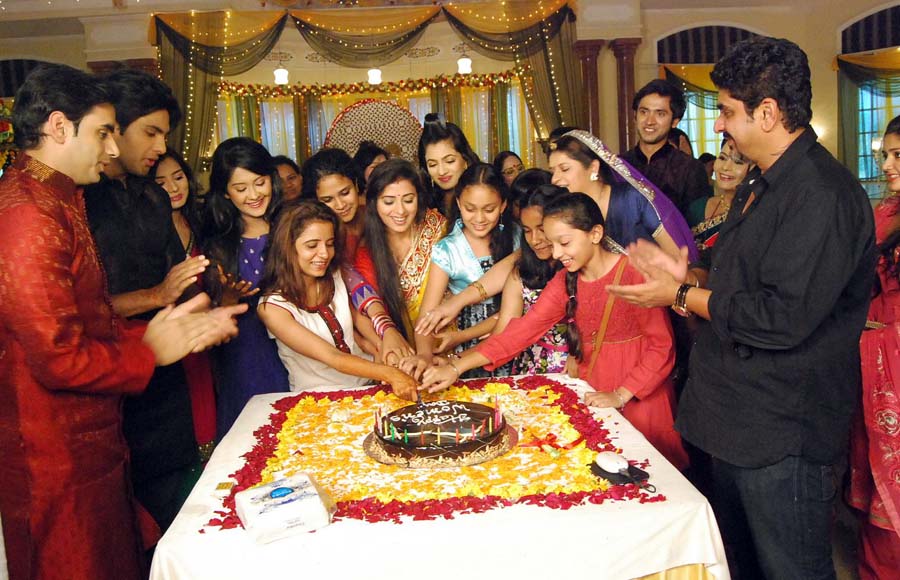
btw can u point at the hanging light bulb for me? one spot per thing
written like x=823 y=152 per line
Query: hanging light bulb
x=464 y=64
x=374 y=76
x=281 y=75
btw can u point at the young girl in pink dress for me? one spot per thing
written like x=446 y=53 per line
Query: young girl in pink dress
x=626 y=355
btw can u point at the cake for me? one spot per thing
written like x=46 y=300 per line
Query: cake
x=439 y=433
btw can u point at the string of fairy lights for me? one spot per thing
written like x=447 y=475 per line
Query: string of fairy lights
x=265 y=91
x=216 y=35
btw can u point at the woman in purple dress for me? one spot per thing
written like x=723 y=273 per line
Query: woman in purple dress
x=244 y=192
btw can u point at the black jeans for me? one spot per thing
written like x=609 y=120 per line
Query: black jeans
x=776 y=520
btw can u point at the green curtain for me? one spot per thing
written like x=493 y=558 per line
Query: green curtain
x=499 y=118
x=194 y=70
x=547 y=48
x=851 y=78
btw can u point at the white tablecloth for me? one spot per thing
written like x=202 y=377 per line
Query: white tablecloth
x=618 y=539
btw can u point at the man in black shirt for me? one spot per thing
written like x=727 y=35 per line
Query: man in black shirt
x=131 y=219
x=774 y=374
x=658 y=107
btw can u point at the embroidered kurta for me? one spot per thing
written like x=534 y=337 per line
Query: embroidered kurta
x=65 y=362
x=637 y=352
x=875 y=441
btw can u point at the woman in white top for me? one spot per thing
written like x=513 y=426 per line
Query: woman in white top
x=307 y=309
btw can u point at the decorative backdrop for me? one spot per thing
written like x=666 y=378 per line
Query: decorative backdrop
x=197 y=50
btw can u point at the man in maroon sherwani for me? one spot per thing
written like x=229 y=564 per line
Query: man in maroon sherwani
x=65 y=359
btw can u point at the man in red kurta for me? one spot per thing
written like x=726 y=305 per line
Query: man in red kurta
x=65 y=359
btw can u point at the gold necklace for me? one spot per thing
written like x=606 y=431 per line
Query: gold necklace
x=723 y=203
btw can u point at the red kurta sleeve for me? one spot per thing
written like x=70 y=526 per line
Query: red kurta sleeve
x=39 y=261
x=657 y=352
x=525 y=331
x=364 y=265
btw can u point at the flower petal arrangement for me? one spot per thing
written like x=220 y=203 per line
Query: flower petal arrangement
x=322 y=434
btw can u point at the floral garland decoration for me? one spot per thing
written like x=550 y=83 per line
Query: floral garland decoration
x=409 y=85
x=567 y=414
x=7 y=147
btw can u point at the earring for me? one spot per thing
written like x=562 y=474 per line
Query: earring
x=595 y=176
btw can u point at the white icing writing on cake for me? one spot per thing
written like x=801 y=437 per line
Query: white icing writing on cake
x=435 y=413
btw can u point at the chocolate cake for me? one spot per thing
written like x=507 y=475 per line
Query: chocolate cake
x=439 y=433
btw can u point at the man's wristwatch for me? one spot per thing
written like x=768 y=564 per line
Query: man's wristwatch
x=680 y=304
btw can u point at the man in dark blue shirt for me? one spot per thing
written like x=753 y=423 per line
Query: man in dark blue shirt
x=774 y=373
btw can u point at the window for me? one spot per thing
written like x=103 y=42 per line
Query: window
x=698 y=123
x=875 y=111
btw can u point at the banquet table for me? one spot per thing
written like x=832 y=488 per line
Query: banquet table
x=612 y=540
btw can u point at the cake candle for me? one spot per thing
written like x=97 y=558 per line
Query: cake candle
x=473 y=432
x=457 y=435
x=405 y=436
x=422 y=437
x=490 y=424
x=439 y=435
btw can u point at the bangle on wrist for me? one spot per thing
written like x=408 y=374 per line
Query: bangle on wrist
x=481 y=291
x=453 y=366
x=621 y=399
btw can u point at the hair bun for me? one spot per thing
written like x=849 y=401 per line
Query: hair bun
x=433 y=118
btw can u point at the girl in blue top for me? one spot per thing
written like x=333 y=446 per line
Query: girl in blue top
x=482 y=235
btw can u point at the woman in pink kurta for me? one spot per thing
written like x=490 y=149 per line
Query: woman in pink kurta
x=632 y=368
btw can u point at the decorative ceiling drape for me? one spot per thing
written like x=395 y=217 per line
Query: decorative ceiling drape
x=695 y=82
x=198 y=49
x=539 y=34
x=365 y=38
x=880 y=73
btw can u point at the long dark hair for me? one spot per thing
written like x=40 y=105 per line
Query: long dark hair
x=222 y=222
x=485 y=174
x=193 y=205
x=391 y=171
x=579 y=211
x=435 y=131
x=534 y=272
x=283 y=274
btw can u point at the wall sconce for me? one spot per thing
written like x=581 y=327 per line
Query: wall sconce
x=281 y=75
x=374 y=76
x=464 y=64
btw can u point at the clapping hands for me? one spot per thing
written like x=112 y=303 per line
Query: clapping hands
x=234 y=288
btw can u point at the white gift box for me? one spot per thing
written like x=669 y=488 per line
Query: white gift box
x=284 y=507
